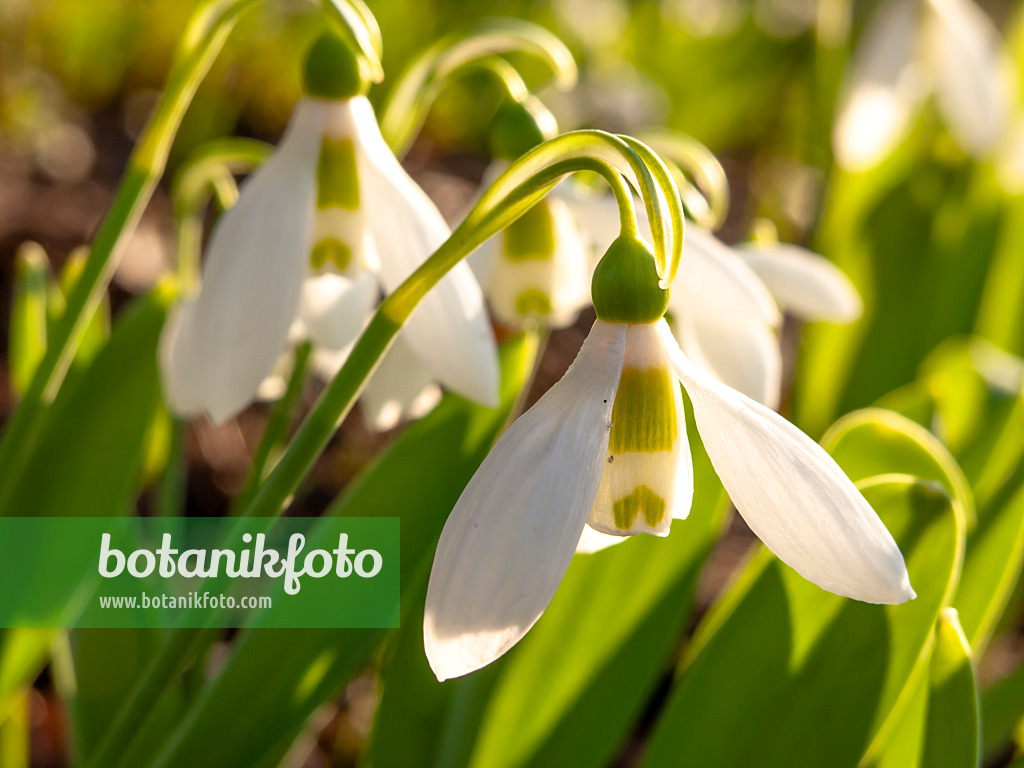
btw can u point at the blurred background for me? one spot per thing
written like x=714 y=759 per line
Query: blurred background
x=932 y=235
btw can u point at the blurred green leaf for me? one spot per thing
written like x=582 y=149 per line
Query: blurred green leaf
x=23 y=653
x=1002 y=709
x=811 y=656
x=14 y=733
x=26 y=342
x=275 y=679
x=98 y=329
x=873 y=442
x=87 y=460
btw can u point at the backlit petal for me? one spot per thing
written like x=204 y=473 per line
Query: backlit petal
x=252 y=278
x=401 y=387
x=804 y=283
x=333 y=308
x=450 y=328
x=792 y=494
x=513 y=532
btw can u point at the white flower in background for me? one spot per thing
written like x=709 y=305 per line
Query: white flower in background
x=913 y=48
x=725 y=304
x=606 y=447
x=329 y=221
x=537 y=268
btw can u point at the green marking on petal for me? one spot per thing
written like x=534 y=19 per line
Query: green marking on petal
x=644 y=414
x=337 y=179
x=532 y=235
x=331 y=250
x=533 y=303
x=641 y=501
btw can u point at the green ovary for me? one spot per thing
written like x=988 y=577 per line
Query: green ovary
x=641 y=500
x=337 y=180
x=333 y=251
x=644 y=413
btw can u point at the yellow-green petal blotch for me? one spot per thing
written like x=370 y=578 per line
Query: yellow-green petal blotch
x=337 y=178
x=641 y=501
x=331 y=250
x=533 y=303
x=644 y=413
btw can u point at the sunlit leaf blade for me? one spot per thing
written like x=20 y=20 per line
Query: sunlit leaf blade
x=87 y=460
x=97 y=331
x=275 y=679
x=873 y=442
x=14 y=733
x=952 y=736
x=23 y=653
x=940 y=725
x=26 y=341
x=812 y=656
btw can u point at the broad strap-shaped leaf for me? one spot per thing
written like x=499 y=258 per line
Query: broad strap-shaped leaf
x=814 y=657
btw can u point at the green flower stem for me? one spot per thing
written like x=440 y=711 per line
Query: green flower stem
x=277 y=427
x=416 y=88
x=698 y=161
x=170 y=496
x=205 y=36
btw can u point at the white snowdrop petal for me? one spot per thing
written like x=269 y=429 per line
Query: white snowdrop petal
x=252 y=278
x=745 y=357
x=792 y=494
x=177 y=371
x=883 y=89
x=716 y=283
x=401 y=386
x=592 y=541
x=449 y=328
x=973 y=78
x=512 y=533
x=804 y=283
x=333 y=309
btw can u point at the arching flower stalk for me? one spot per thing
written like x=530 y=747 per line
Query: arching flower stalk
x=606 y=447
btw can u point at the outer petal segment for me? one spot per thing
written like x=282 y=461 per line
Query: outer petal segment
x=449 y=329
x=792 y=494
x=512 y=533
x=236 y=330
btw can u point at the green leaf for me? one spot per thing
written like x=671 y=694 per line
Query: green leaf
x=1002 y=710
x=275 y=679
x=873 y=442
x=98 y=329
x=23 y=653
x=87 y=460
x=26 y=342
x=610 y=631
x=780 y=653
x=954 y=718
x=941 y=724
x=14 y=733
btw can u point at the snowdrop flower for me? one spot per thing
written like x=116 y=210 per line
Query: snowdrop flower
x=606 y=446
x=910 y=49
x=325 y=224
x=537 y=268
x=725 y=306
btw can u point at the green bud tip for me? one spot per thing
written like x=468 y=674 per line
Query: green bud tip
x=333 y=71
x=518 y=127
x=625 y=286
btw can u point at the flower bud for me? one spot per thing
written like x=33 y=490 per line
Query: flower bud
x=333 y=71
x=625 y=287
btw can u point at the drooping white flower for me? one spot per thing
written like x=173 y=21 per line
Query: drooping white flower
x=329 y=221
x=606 y=446
x=725 y=305
x=537 y=268
x=910 y=49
